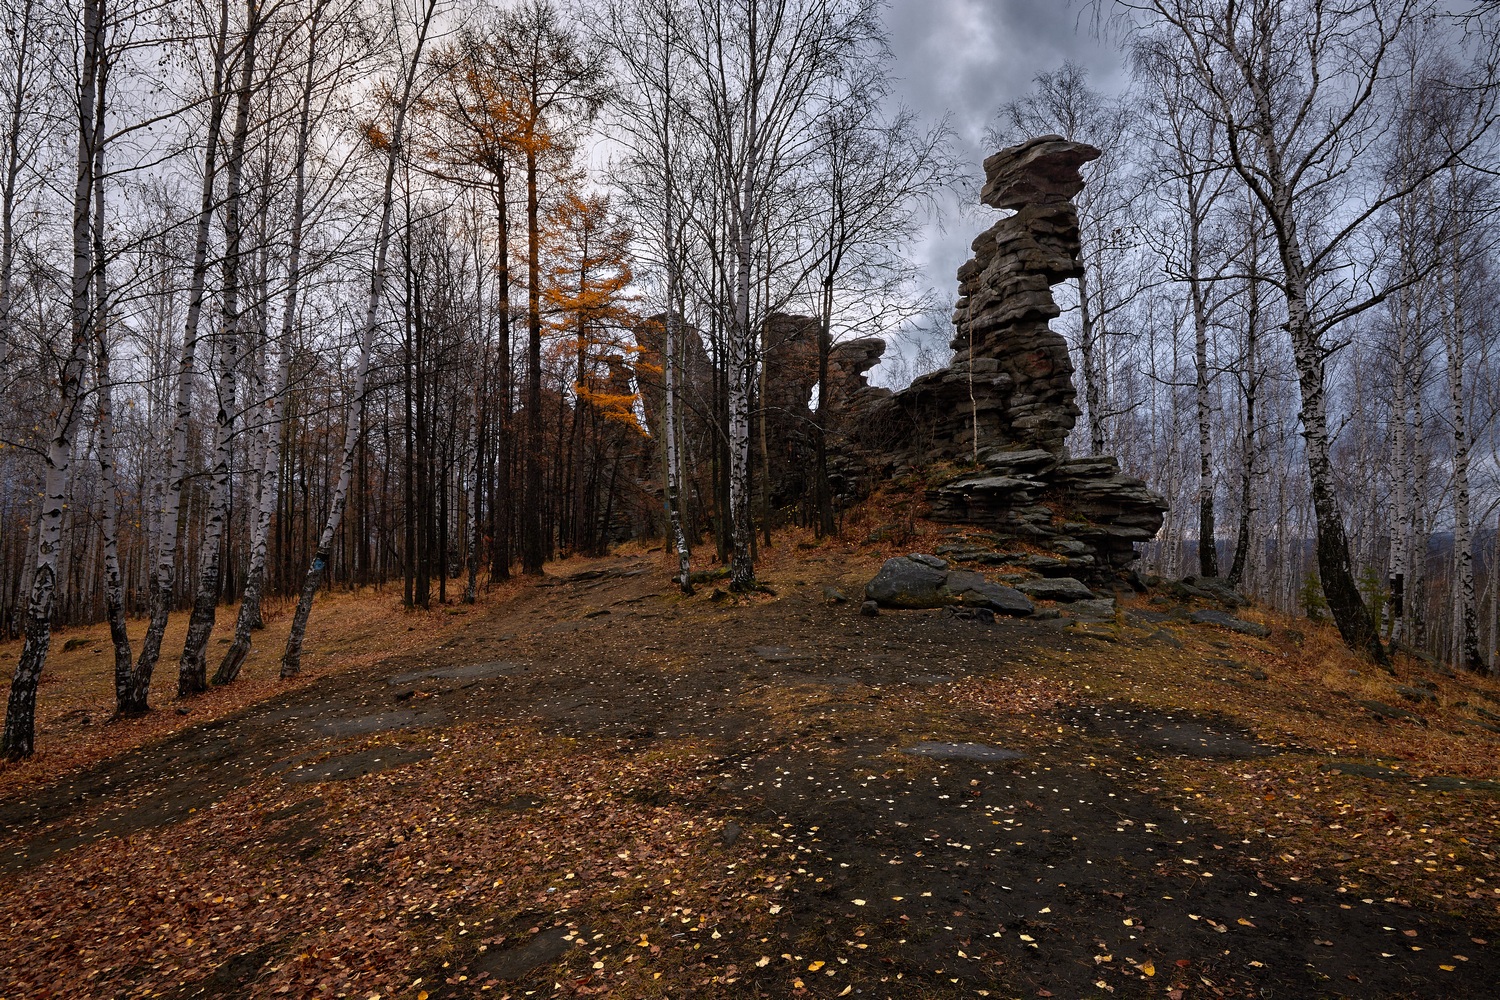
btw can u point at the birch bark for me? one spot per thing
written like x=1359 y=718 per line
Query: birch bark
x=163 y=581
x=19 y=740
x=249 y=614
x=192 y=667
x=291 y=661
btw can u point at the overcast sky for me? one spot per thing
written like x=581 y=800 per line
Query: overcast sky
x=966 y=58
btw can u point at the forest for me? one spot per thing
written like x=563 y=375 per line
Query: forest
x=308 y=295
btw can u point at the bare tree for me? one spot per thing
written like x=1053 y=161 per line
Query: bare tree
x=20 y=716
x=291 y=660
x=1299 y=90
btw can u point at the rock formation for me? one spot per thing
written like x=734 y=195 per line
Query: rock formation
x=1006 y=402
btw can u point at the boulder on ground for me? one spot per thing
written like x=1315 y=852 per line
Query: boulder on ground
x=904 y=582
x=914 y=582
x=969 y=588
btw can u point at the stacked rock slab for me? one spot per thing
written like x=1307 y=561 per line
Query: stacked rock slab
x=1007 y=398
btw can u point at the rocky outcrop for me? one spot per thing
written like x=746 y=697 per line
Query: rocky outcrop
x=1006 y=401
x=1083 y=509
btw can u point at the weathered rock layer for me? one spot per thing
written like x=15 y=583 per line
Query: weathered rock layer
x=1006 y=401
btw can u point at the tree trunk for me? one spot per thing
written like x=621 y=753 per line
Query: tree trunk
x=1208 y=550
x=249 y=614
x=532 y=545
x=164 y=579
x=1466 y=612
x=19 y=741
x=114 y=591
x=291 y=661
x=1345 y=602
x=192 y=668
x=1252 y=385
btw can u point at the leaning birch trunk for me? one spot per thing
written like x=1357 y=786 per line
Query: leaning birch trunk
x=291 y=661
x=163 y=581
x=249 y=614
x=1252 y=385
x=19 y=740
x=1345 y=602
x=192 y=667
x=114 y=590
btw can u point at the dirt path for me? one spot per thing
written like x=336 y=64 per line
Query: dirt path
x=601 y=788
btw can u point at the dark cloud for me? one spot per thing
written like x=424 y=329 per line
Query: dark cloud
x=964 y=58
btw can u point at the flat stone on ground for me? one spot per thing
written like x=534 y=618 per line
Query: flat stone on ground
x=1225 y=620
x=353 y=765
x=461 y=672
x=1056 y=588
x=962 y=751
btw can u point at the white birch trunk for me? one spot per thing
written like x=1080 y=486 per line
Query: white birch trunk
x=192 y=667
x=164 y=579
x=291 y=661
x=1466 y=613
x=19 y=740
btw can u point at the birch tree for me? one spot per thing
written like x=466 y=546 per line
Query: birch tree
x=19 y=739
x=163 y=582
x=291 y=661
x=1300 y=90
x=762 y=68
x=192 y=669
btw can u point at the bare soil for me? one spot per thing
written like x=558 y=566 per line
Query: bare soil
x=598 y=787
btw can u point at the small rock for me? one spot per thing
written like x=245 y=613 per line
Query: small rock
x=1381 y=710
x=832 y=595
x=926 y=560
x=729 y=834
x=1164 y=637
x=1100 y=609
x=869 y=609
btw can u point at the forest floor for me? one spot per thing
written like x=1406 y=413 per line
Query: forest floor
x=589 y=784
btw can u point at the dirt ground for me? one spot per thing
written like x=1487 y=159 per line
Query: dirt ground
x=598 y=787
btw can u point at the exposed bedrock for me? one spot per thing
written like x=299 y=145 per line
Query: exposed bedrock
x=1006 y=401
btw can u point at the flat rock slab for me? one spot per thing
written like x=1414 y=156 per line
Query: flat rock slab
x=510 y=964
x=462 y=672
x=962 y=751
x=1182 y=734
x=378 y=722
x=1440 y=782
x=1225 y=620
x=353 y=765
x=1056 y=588
x=779 y=654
